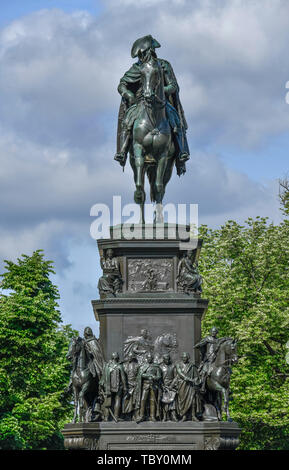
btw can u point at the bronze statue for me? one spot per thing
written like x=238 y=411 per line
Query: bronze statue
x=131 y=368
x=148 y=390
x=169 y=389
x=110 y=282
x=218 y=355
x=113 y=387
x=87 y=359
x=188 y=279
x=208 y=347
x=151 y=123
x=94 y=351
x=188 y=398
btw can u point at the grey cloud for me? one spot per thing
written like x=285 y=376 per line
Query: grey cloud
x=59 y=72
x=58 y=79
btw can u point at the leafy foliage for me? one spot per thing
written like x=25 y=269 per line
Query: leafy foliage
x=284 y=195
x=245 y=271
x=34 y=370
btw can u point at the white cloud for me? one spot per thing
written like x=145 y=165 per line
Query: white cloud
x=58 y=78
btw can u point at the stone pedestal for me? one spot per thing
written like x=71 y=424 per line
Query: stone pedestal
x=167 y=436
x=167 y=312
x=161 y=310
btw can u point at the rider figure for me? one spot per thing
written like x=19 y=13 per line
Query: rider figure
x=208 y=348
x=131 y=92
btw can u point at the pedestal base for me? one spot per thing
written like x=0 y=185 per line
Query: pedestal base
x=152 y=436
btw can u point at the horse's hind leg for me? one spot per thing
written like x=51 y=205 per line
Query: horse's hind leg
x=226 y=404
x=139 y=166
x=139 y=174
x=159 y=183
x=160 y=187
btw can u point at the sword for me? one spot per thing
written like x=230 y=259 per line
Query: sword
x=110 y=410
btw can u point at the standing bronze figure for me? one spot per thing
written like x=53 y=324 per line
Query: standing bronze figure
x=169 y=389
x=113 y=387
x=188 y=398
x=152 y=125
x=148 y=390
x=131 y=368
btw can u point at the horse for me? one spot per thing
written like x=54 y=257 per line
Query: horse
x=84 y=382
x=152 y=147
x=218 y=380
x=164 y=344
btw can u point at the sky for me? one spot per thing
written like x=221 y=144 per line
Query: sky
x=60 y=65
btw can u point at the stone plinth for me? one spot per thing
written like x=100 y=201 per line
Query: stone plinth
x=152 y=436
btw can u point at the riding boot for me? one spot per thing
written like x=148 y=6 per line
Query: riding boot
x=121 y=156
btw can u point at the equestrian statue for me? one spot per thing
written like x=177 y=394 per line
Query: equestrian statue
x=151 y=124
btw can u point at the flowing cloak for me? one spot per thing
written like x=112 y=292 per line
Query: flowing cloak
x=175 y=113
x=96 y=356
x=131 y=370
x=136 y=342
x=187 y=395
x=157 y=373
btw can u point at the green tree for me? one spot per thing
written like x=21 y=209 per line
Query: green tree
x=245 y=271
x=34 y=370
x=284 y=195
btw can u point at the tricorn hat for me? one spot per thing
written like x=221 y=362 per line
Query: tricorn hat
x=142 y=44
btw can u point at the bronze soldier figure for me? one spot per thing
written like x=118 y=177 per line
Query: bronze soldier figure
x=151 y=125
x=208 y=347
x=131 y=368
x=130 y=90
x=147 y=390
x=113 y=386
x=94 y=351
x=169 y=389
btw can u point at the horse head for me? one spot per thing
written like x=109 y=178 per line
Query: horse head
x=74 y=347
x=163 y=344
x=151 y=77
x=230 y=348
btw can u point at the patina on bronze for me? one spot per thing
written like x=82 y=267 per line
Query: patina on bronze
x=151 y=124
x=110 y=282
x=151 y=394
